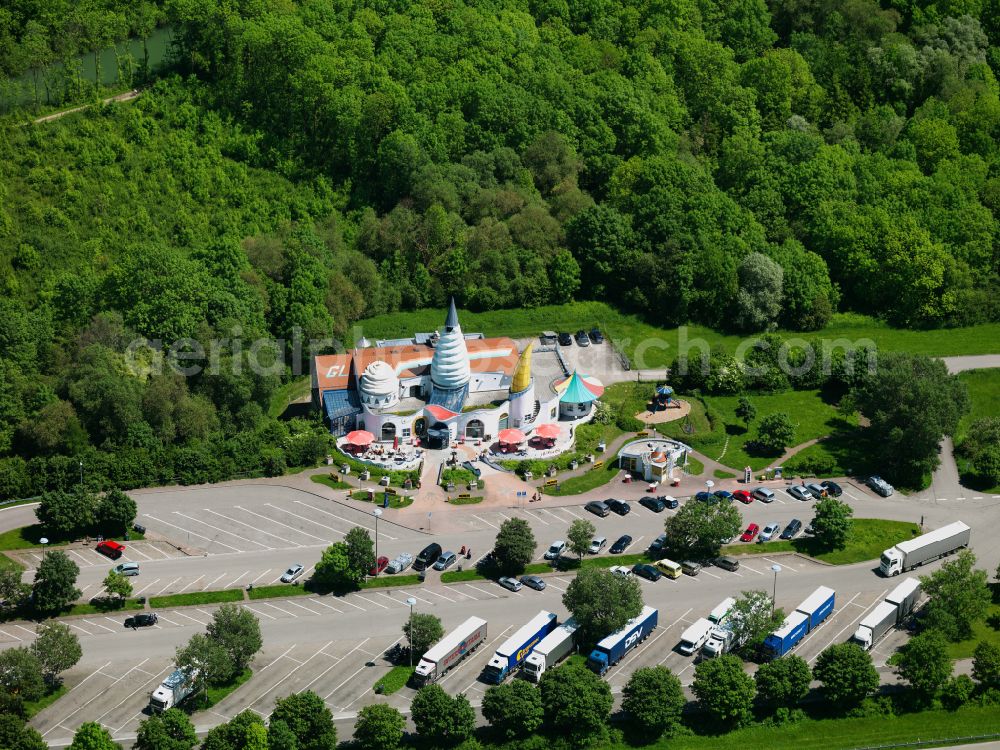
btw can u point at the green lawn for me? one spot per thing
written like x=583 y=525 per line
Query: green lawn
x=34 y=707
x=330 y=480
x=587 y=481
x=466 y=500
x=987 y=629
x=278 y=591
x=396 y=678
x=869 y=537
x=27 y=537
x=694 y=467
x=7 y=564
x=984 y=401
x=461 y=576
x=720 y=474
x=215 y=693
x=103 y=607
x=395 y=501
x=396 y=580
x=197 y=597
x=812 y=416
x=287 y=394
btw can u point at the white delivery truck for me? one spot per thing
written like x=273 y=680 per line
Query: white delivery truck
x=908 y=555
x=896 y=607
x=721 y=611
x=695 y=636
x=554 y=647
x=450 y=650
x=178 y=686
x=720 y=640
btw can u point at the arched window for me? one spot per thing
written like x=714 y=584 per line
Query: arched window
x=474 y=429
x=388 y=431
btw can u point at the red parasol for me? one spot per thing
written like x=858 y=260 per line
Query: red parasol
x=511 y=436
x=360 y=437
x=550 y=431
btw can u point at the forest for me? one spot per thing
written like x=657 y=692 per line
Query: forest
x=301 y=165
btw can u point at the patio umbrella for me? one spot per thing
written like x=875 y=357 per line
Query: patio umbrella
x=664 y=390
x=549 y=430
x=510 y=436
x=360 y=437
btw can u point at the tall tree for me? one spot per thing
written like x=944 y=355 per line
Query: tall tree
x=360 y=551
x=924 y=663
x=21 y=674
x=847 y=674
x=774 y=433
x=653 y=699
x=514 y=547
x=16 y=735
x=752 y=618
x=440 y=718
x=56 y=647
x=171 y=730
x=579 y=536
x=758 y=301
x=986 y=664
x=379 y=727
x=601 y=602
x=117 y=584
x=206 y=659
x=55 y=582
x=333 y=572
x=92 y=736
x=783 y=682
x=422 y=631
x=513 y=709
x=724 y=690
x=832 y=522
x=577 y=703
x=746 y=411
x=697 y=530
x=115 y=512
x=309 y=719
x=237 y=631
x=957 y=596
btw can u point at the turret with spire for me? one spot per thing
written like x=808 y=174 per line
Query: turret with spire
x=450 y=366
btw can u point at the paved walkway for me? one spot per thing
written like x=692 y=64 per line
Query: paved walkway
x=125 y=97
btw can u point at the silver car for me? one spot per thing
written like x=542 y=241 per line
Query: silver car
x=292 y=573
x=446 y=560
x=800 y=492
x=127 y=569
x=769 y=532
x=400 y=563
x=533 y=582
x=555 y=550
x=510 y=583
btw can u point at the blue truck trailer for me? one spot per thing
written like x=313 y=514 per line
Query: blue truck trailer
x=612 y=649
x=512 y=654
x=784 y=639
x=818 y=606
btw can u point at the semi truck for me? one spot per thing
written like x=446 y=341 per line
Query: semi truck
x=554 y=647
x=719 y=642
x=895 y=608
x=509 y=657
x=450 y=650
x=817 y=606
x=613 y=648
x=695 y=636
x=175 y=688
x=908 y=555
x=721 y=611
x=785 y=638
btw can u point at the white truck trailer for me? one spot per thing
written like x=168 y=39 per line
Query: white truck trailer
x=175 y=688
x=450 y=650
x=908 y=555
x=896 y=607
x=695 y=636
x=556 y=646
x=721 y=611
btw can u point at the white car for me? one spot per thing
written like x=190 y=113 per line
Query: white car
x=292 y=573
x=400 y=563
x=127 y=569
x=555 y=550
x=598 y=543
x=769 y=532
x=621 y=570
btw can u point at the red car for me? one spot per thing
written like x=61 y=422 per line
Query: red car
x=111 y=548
x=750 y=533
x=743 y=496
x=381 y=564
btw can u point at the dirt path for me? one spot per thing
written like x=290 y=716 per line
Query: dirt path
x=125 y=97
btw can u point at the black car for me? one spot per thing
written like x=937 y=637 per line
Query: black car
x=597 y=508
x=832 y=488
x=653 y=503
x=619 y=506
x=706 y=497
x=565 y=339
x=621 y=545
x=596 y=336
x=145 y=620
x=791 y=529
x=668 y=501
x=646 y=571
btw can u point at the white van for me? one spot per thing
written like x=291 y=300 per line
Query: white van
x=764 y=495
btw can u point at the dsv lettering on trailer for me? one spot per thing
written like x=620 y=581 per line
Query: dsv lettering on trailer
x=632 y=639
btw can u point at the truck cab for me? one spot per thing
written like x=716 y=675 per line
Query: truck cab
x=891 y=562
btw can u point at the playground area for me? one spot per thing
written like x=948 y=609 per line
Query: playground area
x=663 y=407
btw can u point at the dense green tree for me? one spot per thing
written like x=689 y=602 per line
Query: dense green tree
x=237 y=630
x=63 y=514
x=117 y=584
x=746 y=411
x=847 y=674
x=13 y=592
x=752 y=618
x=653 y=699
x=579 y=536
x=724 y=690
x=115 y=512
x=422 y=631
x=957 y=691
x=832 y=522
x=333 y=572
x=957 y=596
x=379 y=727
x=280 y=737
x=577 y=703
x=309 y=719
x=16 y=735
x=92 y=736
x=171 y=730
x=57 y=648
x=441 y=718
x=242 y=732
x=758 y=301
x=601 y=602
x=924 y=663
x=208 y=660
x=774 y=433
x=21 y=673
x=783 y=682
x=981 y=445
x=514 y=547
x=513 y=709
x=360 y=551
x=697 y=529
x=54 y=587
x=986 y=664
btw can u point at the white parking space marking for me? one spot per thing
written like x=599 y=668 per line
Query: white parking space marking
x=364 y=599
x=438 y=594
x=675 y=622
x=535 y=515
x=232 y=582
x=379 y=593
x=556 y=587
x=250 y=526
x=302 y=606
x=575 y=515
x=192 y=533
x=82 y=630
x=341 y=518
x=10 y=635
x=325 y=604
x=277 y=659
x=98 y=625
x=167 y=619
x=192 y=619
x=482 y=591
x=192 y=583
x=221 y=530
x=275 y=606
x=151 y=583
x=293 y=671
x=325 y=697
x=272 y=520
x=486 y=522
x=856 y=620
x=148 y=683
x=88 y=561
x=260 y=576
x=467 y=661
x=138 y=551
x=79 y=708
x=719 y=578
x=269 y=617
x=211 y=583
x=752 y=570
x=784 y=568
x=307 y=520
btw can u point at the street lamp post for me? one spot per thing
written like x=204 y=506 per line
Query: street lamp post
x=411 y=601
x=774 y=593
x=376 y=512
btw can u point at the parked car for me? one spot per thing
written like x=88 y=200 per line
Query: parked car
x=799 y=492
x=621 y=544
x=510 y=583
x=619 y=506
x=879 y=486
x=596 y=336
x=381 y=564
x=705 y=497
x=292 y=573
x=809 y=530
x=690 y=567
x=743 y=496
x=818 y=491
x=111 y=548
x=644 y=570
x=832 y=488
x=727 y=563
x=768 y=532
x=654 y=504
x=621 y=570
x=791 y=529
x=657 y=544
x=582 y=339
x=142 y=620
x=533 y=582
x=598 y=508
x=764 y=494
x=400 y=563
x=127 y=569
x=724 y=495
x=555 y=550
x=565 y=339
x=446 y=560
x=597 y=544
x=668 y=500
x=428 y=556
x=750 y=533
